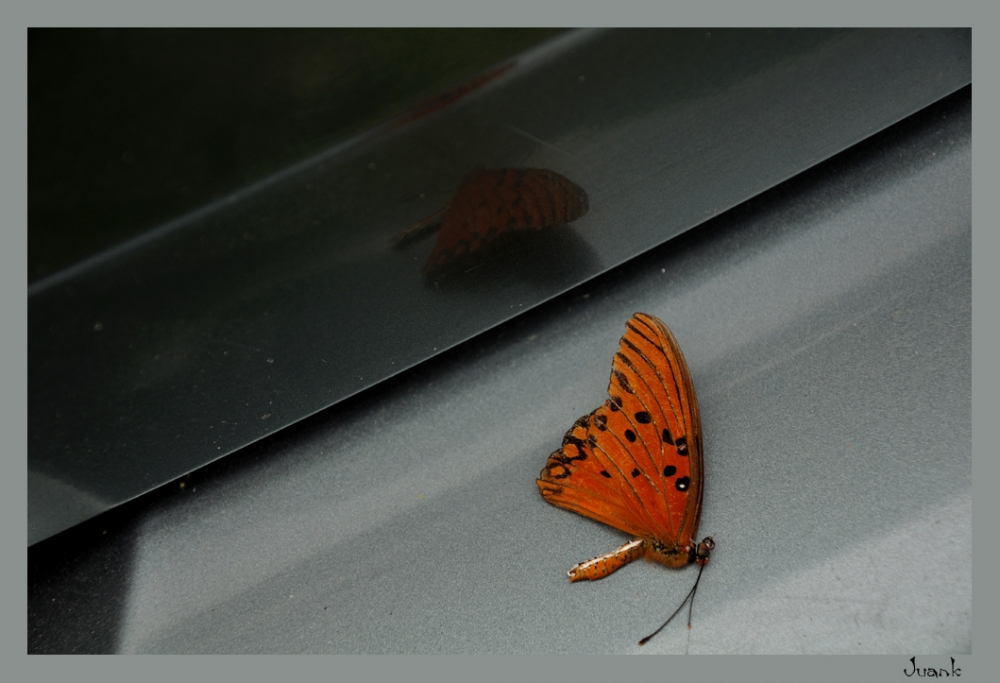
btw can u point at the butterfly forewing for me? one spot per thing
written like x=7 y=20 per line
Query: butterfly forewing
x=635 y=463
x=650 y=362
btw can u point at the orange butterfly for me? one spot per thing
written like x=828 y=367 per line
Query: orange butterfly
x=496 y=203
x=635 y=463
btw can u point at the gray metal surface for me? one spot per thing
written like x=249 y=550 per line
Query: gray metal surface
x=241 y=319
x=827 y=325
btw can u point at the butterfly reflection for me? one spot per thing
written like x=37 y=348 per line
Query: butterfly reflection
x=490 y=210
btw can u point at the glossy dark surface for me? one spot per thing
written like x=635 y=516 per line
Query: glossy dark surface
x=131 y=127
x=827 y=326
x=242 y=318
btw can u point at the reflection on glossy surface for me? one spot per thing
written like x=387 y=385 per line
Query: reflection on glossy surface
x=491 y=207
x=451 y=96
x=537 y=258
x=223 y=326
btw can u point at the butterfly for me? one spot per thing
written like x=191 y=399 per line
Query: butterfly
x=493 y=203
x=636 y=463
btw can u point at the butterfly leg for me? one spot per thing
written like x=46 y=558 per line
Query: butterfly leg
x=601 y=566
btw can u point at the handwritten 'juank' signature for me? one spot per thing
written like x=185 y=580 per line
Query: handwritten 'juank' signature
x=931 y=672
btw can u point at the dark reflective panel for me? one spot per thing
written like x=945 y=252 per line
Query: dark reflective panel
x=247 y=315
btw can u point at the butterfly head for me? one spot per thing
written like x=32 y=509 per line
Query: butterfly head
x=704 y=551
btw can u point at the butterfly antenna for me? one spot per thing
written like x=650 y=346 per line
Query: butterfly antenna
x=419 y=229
x=690 y=597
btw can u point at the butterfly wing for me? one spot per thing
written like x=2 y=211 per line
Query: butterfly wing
x=635 y=463
x=494 y=203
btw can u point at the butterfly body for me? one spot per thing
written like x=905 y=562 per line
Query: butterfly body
x=636 y=463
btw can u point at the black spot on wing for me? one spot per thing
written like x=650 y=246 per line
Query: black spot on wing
x=562 y=457
x=639 y=332
x=558 y=471
x=622 y=382
x=635 y=349
x=626 y=362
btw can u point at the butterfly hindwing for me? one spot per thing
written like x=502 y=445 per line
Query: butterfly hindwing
x=584 y=480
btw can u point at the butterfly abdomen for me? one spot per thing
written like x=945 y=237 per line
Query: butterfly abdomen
x=599 y=567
